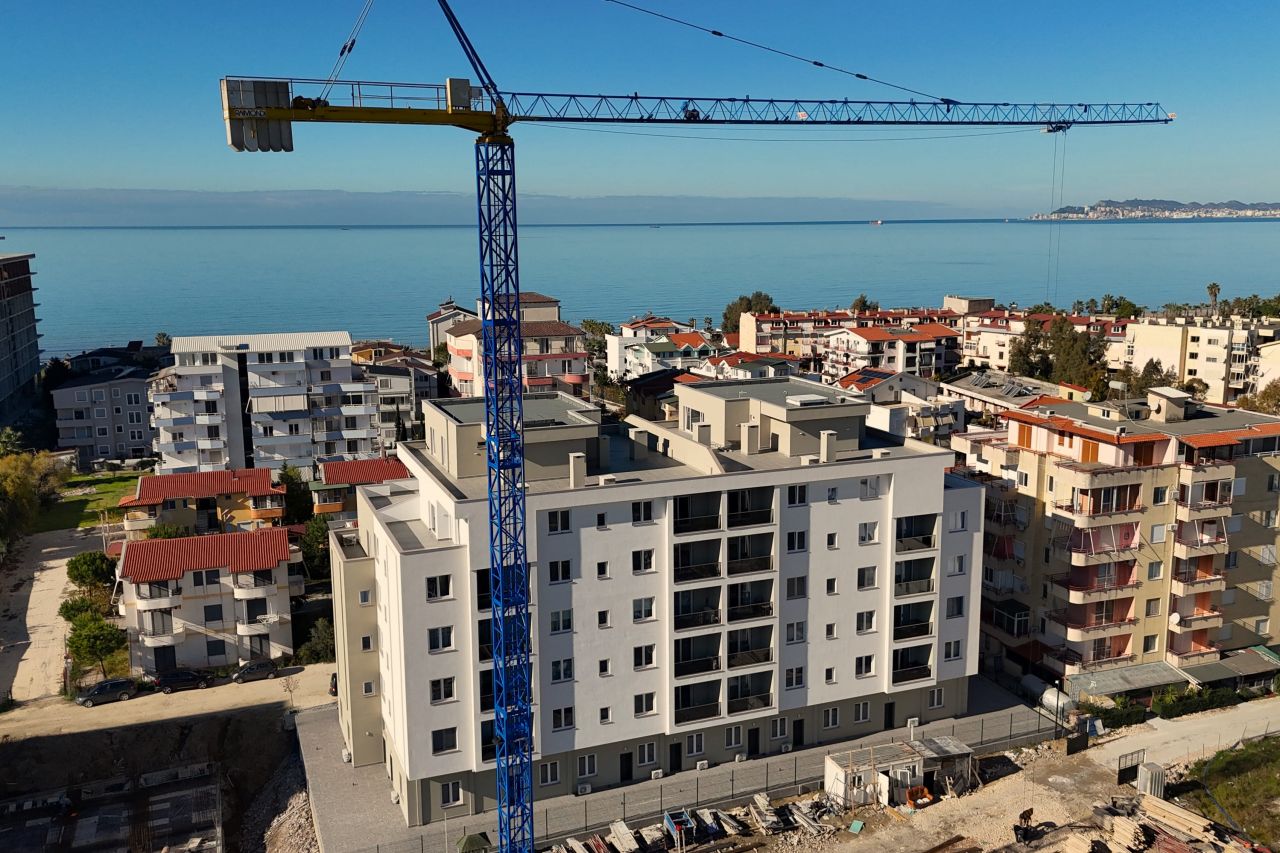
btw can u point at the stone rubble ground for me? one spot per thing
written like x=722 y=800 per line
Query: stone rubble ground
x=279 y=820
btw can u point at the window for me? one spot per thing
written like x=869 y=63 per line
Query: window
x=797 y=587
x=831 y=586
x=561 y=621
x=441 y=689
x=693 y=744
x=602 y=618
x=865 y=621
x=440 y=639
x=1155 y=569
x=212 y=613
x=606 y=715
x=830 y=674
x=1262 y=627
x=1153 y=607
x=646 y=753
x=867 y=577
x=366 y=643
x=549 y=773
x=561 y=718
x=295 y=429
x=797 y=495
x=1273 y=482
x=955 y=606
x=794 y=677
x=958 y=521
x=561 y=670
x=833 y=541
x=732 y=737
x=82 y=396
x=1160 y=495
x=1157 y=533
x=1235 y=523
x=133 y=399
x=864 y=666
x=1238 y=487
x=450 y=794
x=443 y=740
x=831 y=630
x=797 y=540
x=861 y=712
x=99 y=413
x=868 y=532
x=830 y=717
x=869 y=488
x=602 y=569
x=366 y=596
x=1023 y=479
x=1149 y=644
x=935 y=698
x=440 y=586
x=1262 y=590
x=641 y=609
x=642 y=561
x=955 y=565
x=643 y=703
x=1268 y=518
x=833 y=494
x=215 y=648
x=778 y=728
x=558 y=521
x=795 y=632
x=951 y=650
x=1232 y=560
x=602 y=519
x=642 y=656
x=587 y=765
x=605 y=667
x=559 y=571
x=641 y=512
x=1229 y=596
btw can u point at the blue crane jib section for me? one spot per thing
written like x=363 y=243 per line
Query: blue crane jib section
x=504 y=449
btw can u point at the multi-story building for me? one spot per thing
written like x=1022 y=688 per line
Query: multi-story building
x=921 y=349
x=19 y=340
x=801 y=333
x=208 y=600
x=1136 y=534
x=761 y=573
x=555 y=353
x=207 y=502
x=429 y=381
x=907 y=405
x=638 y=331
x=1219 y=351
x=990 y=392
x=444 y=318
x=133 y=353
x=333 y=493
x=394 y=391
x=746 y=365
x=988 y=336
x=683 y=350
x=262 y=401
x=104 y=415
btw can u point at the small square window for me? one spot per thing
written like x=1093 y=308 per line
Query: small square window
x=830 y=674
x=831 y=630
x=833 y=541
x=605 y=667
x=602 y=618
x=831 y=586
x=606 y=715
x=602 y=569
x=602 y=519
x=1149 y=643
x=833 y=494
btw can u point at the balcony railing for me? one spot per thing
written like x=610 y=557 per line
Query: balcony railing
x=750 y=657
x=695 y=523
x=1091 y=662
x=750 y=703
x=750 y=611
x=254 y=583
x=1205 y=649
x=911 y=630
x=1191 y=619
x=1076 y=508
x=1203 y=504
x=697 y=665
x=1096 y=585
x=1192 y=579
x=915 y=543
x=747 y=518
x=911 y=673
x=690 y=713
x=697 y=619
x=1062 y=617
x=747 y=565
x=697 y=572
x=913 y=587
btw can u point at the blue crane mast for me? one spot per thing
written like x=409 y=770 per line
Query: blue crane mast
x=260 y=114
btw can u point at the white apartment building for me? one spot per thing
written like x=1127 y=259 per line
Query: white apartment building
x=1222 y=352
x=208 y=601
x=761 y=573
x=801 y=333
x=637 y=331
x=261 y=401
x=921 y=349
x=681 y=350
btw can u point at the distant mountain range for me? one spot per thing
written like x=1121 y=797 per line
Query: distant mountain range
x=1157 y=208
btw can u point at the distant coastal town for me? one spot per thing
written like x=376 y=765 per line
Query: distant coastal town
x=1136 y=208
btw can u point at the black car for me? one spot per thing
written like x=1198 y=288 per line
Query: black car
x=181 y=679
x=112 y=690
x=254 y=670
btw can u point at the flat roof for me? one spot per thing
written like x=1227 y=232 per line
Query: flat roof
x=1109 y=682
x=252 y=343
x=540 y=410
x=775 y=390
x=1208 y=419
x=16 y=256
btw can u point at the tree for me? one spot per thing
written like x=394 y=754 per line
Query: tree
x=1027 y=355
x=758 y=302
x=163 y=339
x=1196 y=387
x=440 y=355
x=289 y=684
x=1266 y=401
x=315 y=546
x=91 y=569
x=319 y=647
x=93 y=640
x=76 y=606
x=1213 y=290
x=10 y=441
x=1120 y=306
x=1042 y=308
x=167 y=531
x=707 y=324
x=863 y=304
x=1091 y=305
x=297 y=497
x=596 y=330
x=402 y=432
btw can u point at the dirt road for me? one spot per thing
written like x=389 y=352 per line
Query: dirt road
x=1170 y=741
x=31 y=632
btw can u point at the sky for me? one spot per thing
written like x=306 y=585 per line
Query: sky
x=124 y=97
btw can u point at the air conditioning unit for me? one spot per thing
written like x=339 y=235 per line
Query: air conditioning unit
x=657 y=774
x=584 y=789
x=702 y=765
x=786 y=747
x=741 y=756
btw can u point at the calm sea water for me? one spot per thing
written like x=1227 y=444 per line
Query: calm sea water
x=101 y=286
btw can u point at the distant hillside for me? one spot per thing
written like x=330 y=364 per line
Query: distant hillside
x=1158 y=208
x=1167 y=205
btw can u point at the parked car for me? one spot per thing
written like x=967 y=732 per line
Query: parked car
x=333 y=684
x=112 y=690
x=182 y=679
x=254 y=670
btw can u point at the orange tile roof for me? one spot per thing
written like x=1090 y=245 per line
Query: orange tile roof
x=1066 y=425
x=689 y=378
x=911 y=334
x=359 y=472
x=1231 y=436
x=146 y=560
x=731 y=339
x=157 y=488
x=688 y=339
x=864 y=378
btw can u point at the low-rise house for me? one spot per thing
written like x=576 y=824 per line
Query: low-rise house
x=990 y=392
x=907 y=405
x=207 y=502
x=334 y=493
x=208 y=601
x=104 y=415
x=638 y=331
x=746 y=365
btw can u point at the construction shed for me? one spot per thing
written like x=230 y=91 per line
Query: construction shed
x=886 y=772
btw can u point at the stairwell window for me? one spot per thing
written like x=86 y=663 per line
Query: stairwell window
x=643 y=703
x=797 y=495
x=797 y=541
x=794 y=678
x=438 y=587
x=444 y=740
x=641 y=609
x=441 y=689
x=562 y=719
x=951 y=650
x=641 y=512
x=559 y=571
x=864 y=666
x=561 y=621
x=561 y=670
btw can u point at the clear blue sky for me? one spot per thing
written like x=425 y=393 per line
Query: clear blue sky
x=125 y=95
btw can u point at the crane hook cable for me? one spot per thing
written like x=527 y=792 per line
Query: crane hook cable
x=345 y=52
x=722 y=138
x=779 y=52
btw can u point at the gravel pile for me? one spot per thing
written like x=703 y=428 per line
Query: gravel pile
x=279 y=820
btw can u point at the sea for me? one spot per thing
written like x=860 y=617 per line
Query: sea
x=101 y=286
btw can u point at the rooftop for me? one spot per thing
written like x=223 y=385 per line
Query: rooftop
x=1227 y=425
x=1004 y=387
x=157 y=488
x=250 y=343
x=540 y=410
x=779 y=391
x=528 y=329
x=359 y=472
x=147 y=560
x=105 y=375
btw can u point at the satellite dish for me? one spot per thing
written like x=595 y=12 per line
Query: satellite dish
x=1088 y=395
x=1175 y=618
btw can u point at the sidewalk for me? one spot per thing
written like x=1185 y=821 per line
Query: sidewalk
x=353 y=809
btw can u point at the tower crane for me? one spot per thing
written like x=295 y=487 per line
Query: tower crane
x=260 y=114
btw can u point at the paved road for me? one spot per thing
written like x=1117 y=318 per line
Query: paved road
x=1171 y=741
x=56 y=715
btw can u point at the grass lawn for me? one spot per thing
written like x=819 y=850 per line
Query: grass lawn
x=1247 y=783
x=82 y=510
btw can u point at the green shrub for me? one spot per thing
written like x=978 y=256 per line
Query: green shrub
x=1172 y=703
x=76 y=606
x=1125 y=713
x=91 y=569
x=319 y=648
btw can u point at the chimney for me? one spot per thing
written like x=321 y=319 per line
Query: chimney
x=639 y=443
x=577 y=470
x=702 y=433
x=750 y=438
x=827 y=445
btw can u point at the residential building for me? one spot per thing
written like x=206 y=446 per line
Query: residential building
x=555 y=353
x=206 y=502
x=990 y=392
x=134 y=353
x=639 y=330
x=104 y=415
x=762 y=572
x=989 y=335
x=429 y=381
x=444 y=318
x=922 y=349
x=800 y=333
x=394 y=391
x=333 y=493
x=1136 y=535
x=19 y=339
x=746 y=365
x=963 y=305
x=682 y=350
x=1222 y=352
x=262 y=401
x=208 y=601
x=907 y=405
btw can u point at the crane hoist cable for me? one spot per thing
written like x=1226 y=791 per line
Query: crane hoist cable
x=780 y=52
x=345 y=52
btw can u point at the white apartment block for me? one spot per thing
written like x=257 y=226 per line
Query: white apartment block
x=760 y=573
x=988 y=336
x=208 y=601
x=261 y=401
x=637 y=331
x=801 y=333
x=921 y=349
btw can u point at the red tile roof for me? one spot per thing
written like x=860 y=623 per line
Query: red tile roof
x=733 y=359
x=359 y=472
x=688 y=339
x=114 y=548
x=731 y=339
x=158 y=488
x=528 y=329
x=913 y=334
x=864 y=378
x=651 y=323
x=146 y=560
x=689 y=378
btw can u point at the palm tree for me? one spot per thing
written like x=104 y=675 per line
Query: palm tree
x=1214 y=289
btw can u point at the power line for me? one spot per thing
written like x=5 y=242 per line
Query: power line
x=779 y=52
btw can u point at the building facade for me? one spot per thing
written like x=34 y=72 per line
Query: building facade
x=104 y=415
x=262 y=401
x=243 y=499
x=637 y=331
x=19 y=339
x=921 y=349
x=333 y=493
x=763 y=574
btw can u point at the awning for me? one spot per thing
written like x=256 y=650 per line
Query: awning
x=1109 y=682
x=1208 y=439
x=1250 y=662
x=1209 y=673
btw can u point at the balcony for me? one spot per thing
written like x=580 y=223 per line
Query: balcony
x=208 y=419
x=1195 y=655
x=158 y=600
x=912 y=673
x=696 y=523
x=1191 y=583
x=912 y=630
x=243 y=590
x=696 y=572
x=166 y=635
x=1196 y=620
x=749 y=565
x=697 y=666
x=692 y=713
x=697 y=619
x=1204 y=545
x=750 y=517
x=920 y=586
x=754 y=702
x=750 y=657
x=758 y=610
x=267 y=510
x=252 y=626
x=138 y=521
x=210 y=444
x=1092 y=515
x=1205 y=469
x=1079 y=631
x=172 y=421
x=1097 y=589
x=1068 y=661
